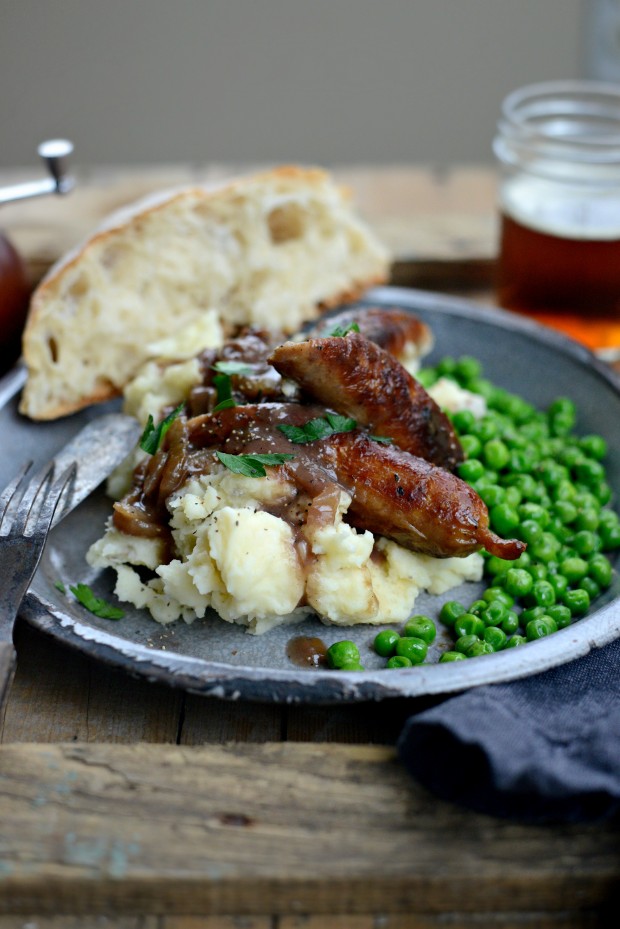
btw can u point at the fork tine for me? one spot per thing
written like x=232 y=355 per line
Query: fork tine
x=11 y=489
x=36 y=489
x=48 y=497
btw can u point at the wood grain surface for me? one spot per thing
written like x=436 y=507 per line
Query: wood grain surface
x=272 y=828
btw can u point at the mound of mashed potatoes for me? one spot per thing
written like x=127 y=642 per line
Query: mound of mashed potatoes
x=234 y=553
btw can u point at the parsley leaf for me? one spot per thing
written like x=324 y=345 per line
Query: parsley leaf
x=233 y=367
x=318 y=428
x=153 y=435
x=223 y=386
x=383 y=439
x=95 y=605
x=251 y=465
x=341 y=331
x=60 y=586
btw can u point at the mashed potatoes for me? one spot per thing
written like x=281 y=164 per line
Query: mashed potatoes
x=251 y=567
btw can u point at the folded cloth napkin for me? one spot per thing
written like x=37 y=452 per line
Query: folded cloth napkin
x=546 y=748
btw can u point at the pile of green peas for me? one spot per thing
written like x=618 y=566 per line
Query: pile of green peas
x=542 y=484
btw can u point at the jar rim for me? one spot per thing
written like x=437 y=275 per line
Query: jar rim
x=571 y=123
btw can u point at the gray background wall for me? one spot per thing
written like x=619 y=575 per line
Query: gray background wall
x=325 y=81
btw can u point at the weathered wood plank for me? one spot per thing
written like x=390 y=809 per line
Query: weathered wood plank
x=273 y=828
x=566 y=920
x=59 y=694
x=211 y=721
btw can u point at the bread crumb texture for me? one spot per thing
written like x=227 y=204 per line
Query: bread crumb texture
x=271 y=249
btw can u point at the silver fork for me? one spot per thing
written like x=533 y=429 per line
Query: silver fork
x=26 y=512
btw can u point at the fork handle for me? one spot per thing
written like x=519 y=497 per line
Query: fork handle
x=8 y=660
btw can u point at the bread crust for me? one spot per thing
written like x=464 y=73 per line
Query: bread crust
x=46 y=333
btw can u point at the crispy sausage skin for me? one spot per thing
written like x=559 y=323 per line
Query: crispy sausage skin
x=358 y=378
x=396 y=330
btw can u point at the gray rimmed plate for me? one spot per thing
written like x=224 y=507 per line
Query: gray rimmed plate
x=219 y=659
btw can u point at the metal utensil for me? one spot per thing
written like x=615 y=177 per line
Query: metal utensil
x=55 y=155
x=28 y=509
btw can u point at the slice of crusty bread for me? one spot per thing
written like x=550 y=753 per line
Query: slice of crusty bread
x=270 y=249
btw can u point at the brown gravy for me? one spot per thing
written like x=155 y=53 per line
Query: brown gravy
x=307 y=651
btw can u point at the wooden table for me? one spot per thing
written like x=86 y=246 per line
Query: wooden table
x=153 y=808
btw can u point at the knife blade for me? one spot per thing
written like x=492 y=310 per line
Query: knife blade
x=97 y=449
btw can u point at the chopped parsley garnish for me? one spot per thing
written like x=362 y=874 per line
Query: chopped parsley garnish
x=95 y=605
x=341 y=331
x=232 y=367
x=224 y=392
x=223 y=384
x=383 y=439
x=251 y=465
x=153 y=435
x=60 y=586
x=318 y=428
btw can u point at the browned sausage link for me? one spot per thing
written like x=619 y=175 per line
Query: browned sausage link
x=421 y=506
x=355 y=377
x=396 y=330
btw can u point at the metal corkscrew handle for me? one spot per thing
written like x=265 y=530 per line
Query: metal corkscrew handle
x=55 y=155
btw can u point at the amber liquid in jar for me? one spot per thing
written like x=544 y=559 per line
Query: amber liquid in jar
x=570 y=284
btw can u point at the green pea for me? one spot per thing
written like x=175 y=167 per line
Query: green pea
x=565 y=490
x=532 y=612
x=385 y=642
x=535 y=512
x=450 y=612
x=351 y=666
x=546 y=548
x=496 y=593
x=496 y=565
x=504 y=519
x=469 y=624
x=491 y=494
x=421 y=627
x=585 y=542
x=516 y=640
x=478 y=607
x=565 y=511
x=464 y=421
x=590 y=586
x=542 y=594
x=539 y=628
x=610 y=537
x=427 y=377
x=603 y=492
x=485 y=428
x=564 y=409
x=589 y=472
x=471 y=470
x=480 y=648
x=471 y=445
x=574 y=569
x=520 y=461
x=467 y=368
x=495 y=453
x=446 y=366
x=600 y=570
x=561 y=614
x=587 y=520
x=569 y=455
x=413 y=648
x=530 y=531
x=559 y=584
x=513 y=497
x=495 y=613
x=495 y=637
x=519 y=581
x=594 y=446
x=538 y=570
x=452 y=656
x=399 y=661
x=578 y=601
x=341 y=653
x=464 y=642
x=511 y=623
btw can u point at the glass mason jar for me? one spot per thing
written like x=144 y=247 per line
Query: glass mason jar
x=558 y=145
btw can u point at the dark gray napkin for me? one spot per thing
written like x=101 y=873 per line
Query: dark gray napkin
x=546 y=748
